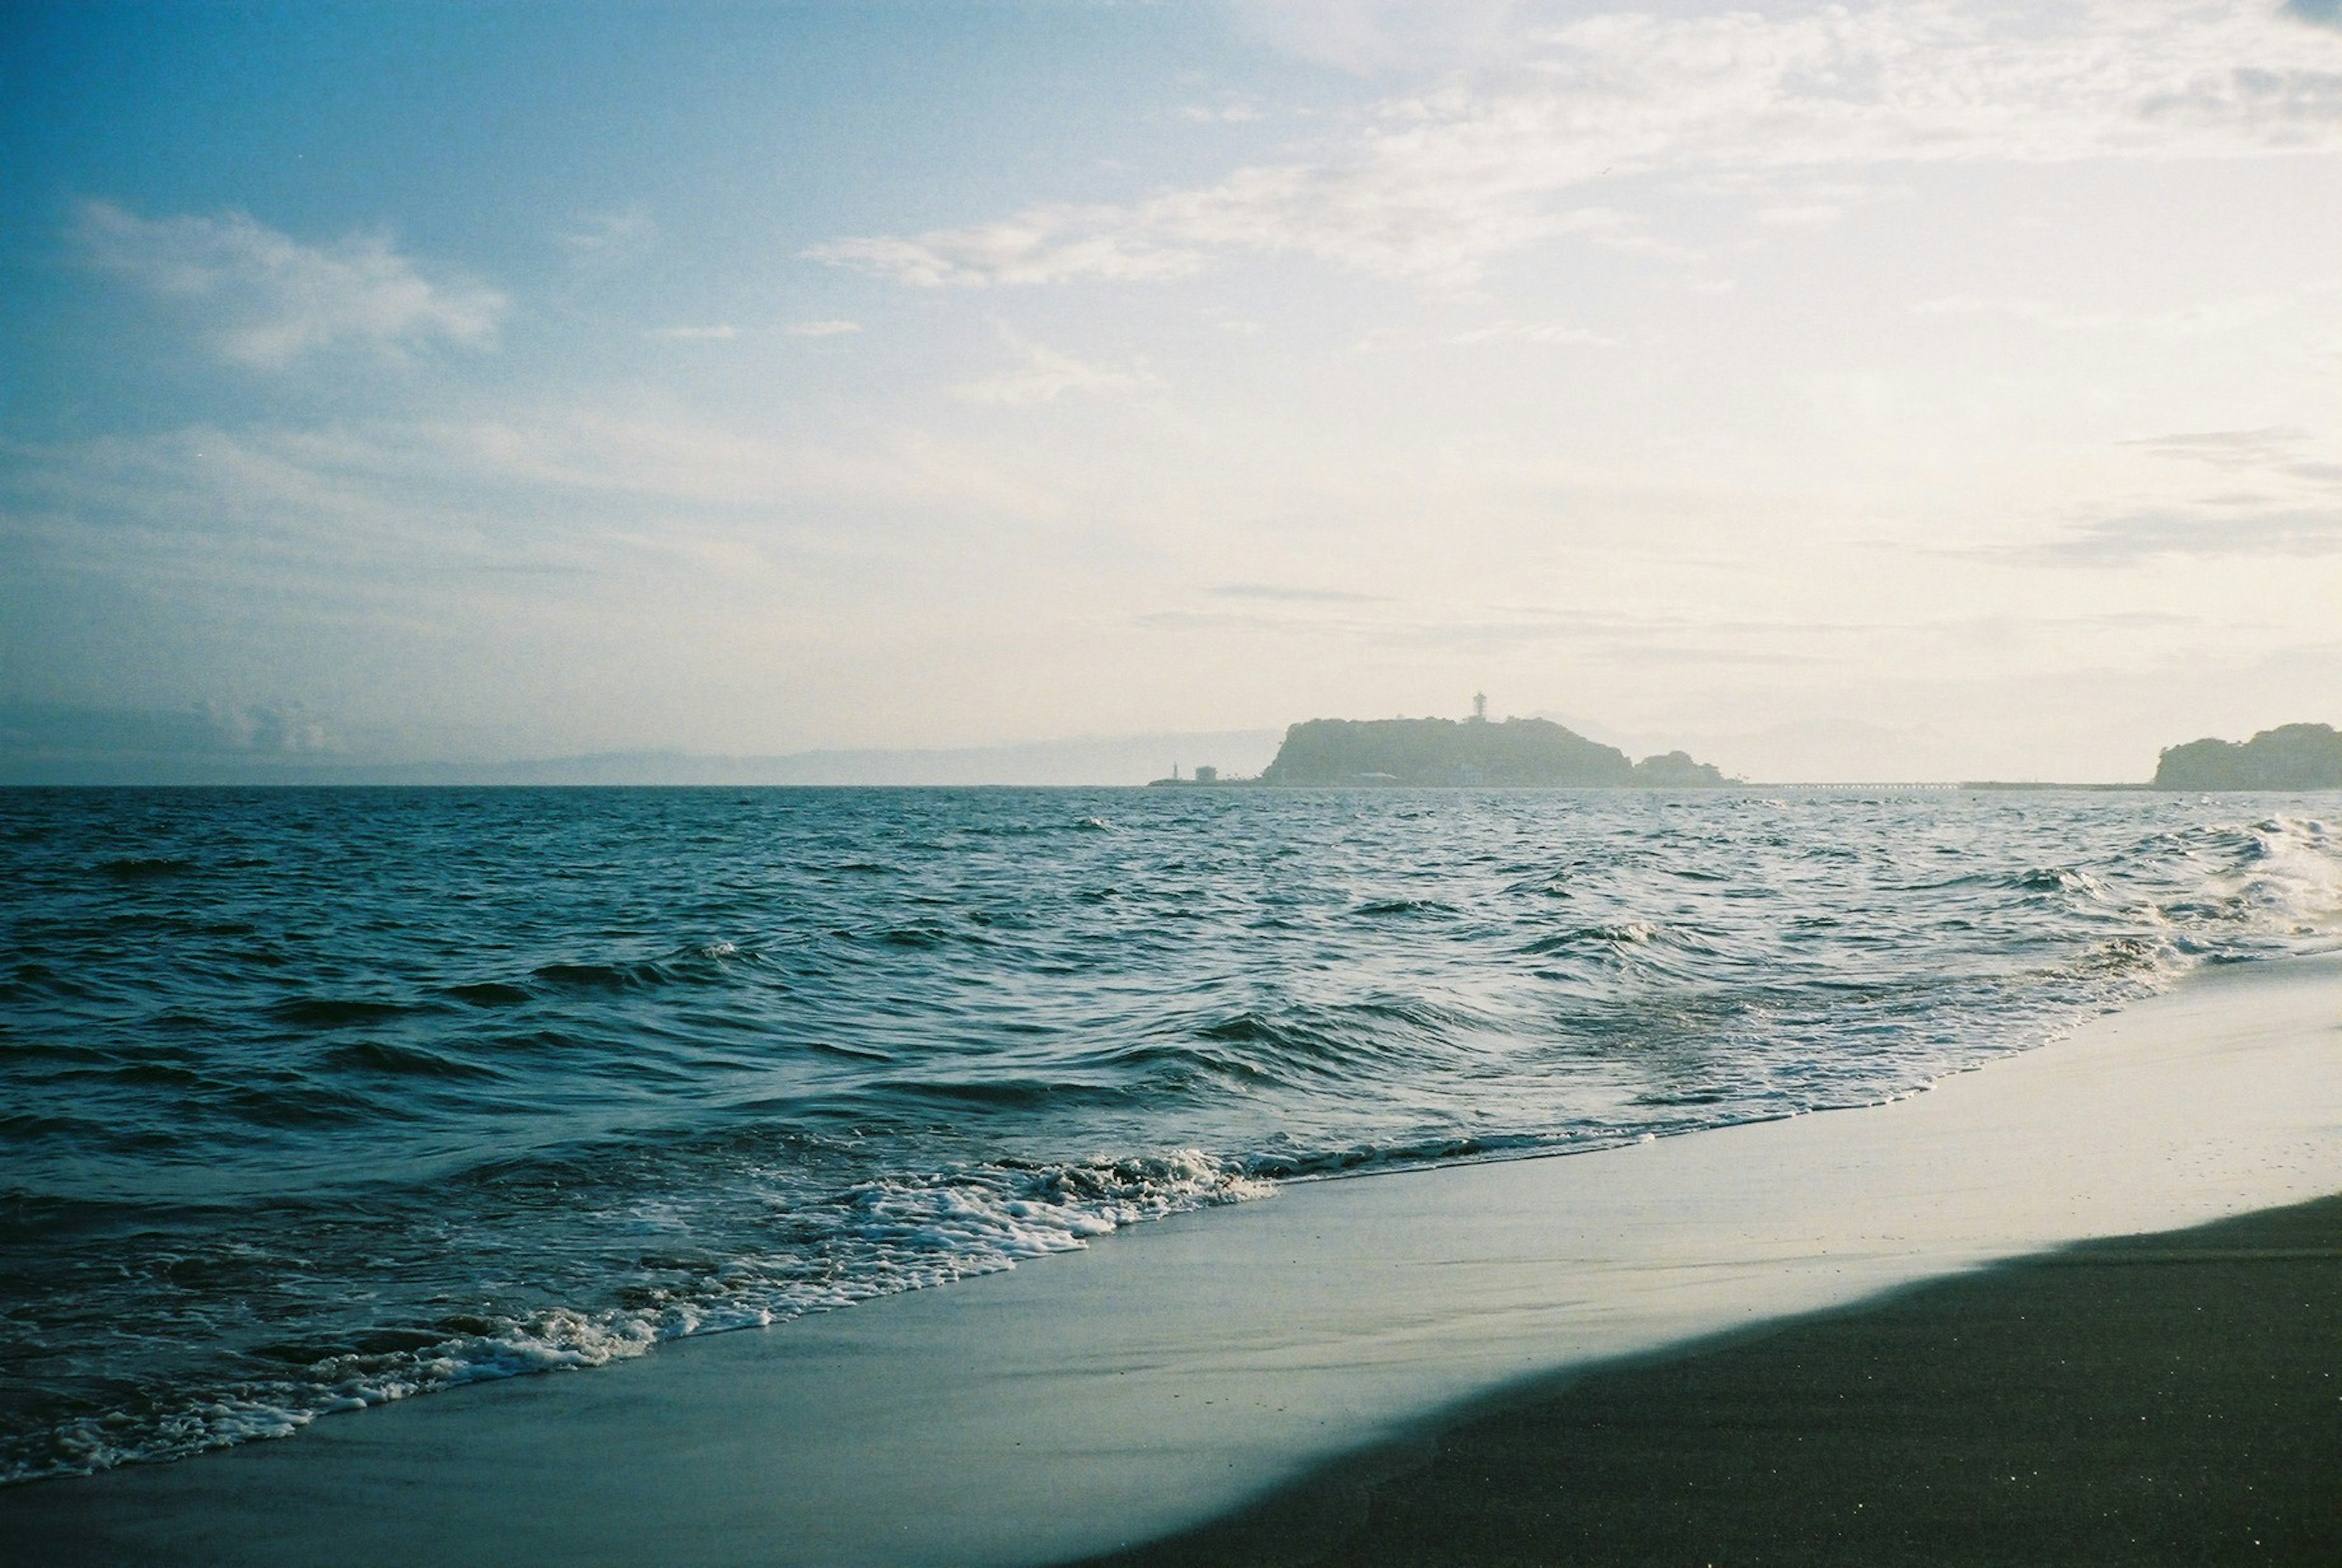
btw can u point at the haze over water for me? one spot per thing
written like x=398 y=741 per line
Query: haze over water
x=317 y=1099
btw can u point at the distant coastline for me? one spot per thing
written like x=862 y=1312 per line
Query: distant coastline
x=2289 y=758
x=1436 y=752
x=1517 y=752
x=76 y=749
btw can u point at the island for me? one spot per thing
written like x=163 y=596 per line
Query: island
x=2289 y=758
x=1419 y=752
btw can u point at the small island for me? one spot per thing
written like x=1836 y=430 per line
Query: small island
x=1436 y=752
x=2289 y=758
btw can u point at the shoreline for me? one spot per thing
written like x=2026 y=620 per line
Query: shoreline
x=2166 y=1398
x=1179 y=1370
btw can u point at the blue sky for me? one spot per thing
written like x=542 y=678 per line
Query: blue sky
x=1914 y=390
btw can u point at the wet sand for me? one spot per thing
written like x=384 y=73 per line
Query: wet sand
x=1182 y=1370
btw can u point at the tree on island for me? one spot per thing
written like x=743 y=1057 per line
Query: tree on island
x=2292 y=756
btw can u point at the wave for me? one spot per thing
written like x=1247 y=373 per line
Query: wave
x=902 y=1233
x=334 y=1012
x=1385 y=907
x=323 y=1106
x=404 y=1061
x=145 y=867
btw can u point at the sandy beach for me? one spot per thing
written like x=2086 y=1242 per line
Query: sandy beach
x=1182 y=1372
x=2175 y=1398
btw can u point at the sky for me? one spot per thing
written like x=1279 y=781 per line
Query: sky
x=1915 y=390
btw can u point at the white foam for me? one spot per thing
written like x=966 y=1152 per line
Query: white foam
x=905 y=1234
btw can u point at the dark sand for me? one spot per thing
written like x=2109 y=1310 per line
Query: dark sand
x=2153 y=1400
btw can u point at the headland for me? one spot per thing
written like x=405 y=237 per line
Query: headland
x=2289 y=758
x=1435 y=753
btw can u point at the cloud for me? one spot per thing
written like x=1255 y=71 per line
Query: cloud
x=2284 y=502
x=2326 y=13
x=1542 y=332
x=1438 y=186
x=2213 y=315
x=1368 y=36
x=1224 y=114
x=361 y=512
x=721 y=333
x=2143 y=536
x=1809 y=215
x=1046 y=375
x=1272 y=592
x=608 y=238
x=1046 y=244
x=34 y=734
x=821 y=328
x=1598 y=634
x=2227 y=448
x=267 y=300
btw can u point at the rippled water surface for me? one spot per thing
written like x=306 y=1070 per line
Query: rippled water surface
x=315 y=1099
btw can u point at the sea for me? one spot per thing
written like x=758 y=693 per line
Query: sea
x=315 y=1099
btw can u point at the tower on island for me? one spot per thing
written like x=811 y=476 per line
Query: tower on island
x=1479 y=707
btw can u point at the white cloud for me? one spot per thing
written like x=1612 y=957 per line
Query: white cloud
x=2269 y=446
x=1046 y=245
x=1439 y=185
x=2136 y=536
x=1811 y=215
x=2214 y=315
x=1221 y=114
x=719 y=333
x=1542 y=332
x=821 y=328
x=267 y=300
x=2283 y=497
x=1046 y=374
x=1368 y=36
x=688 y=464
x=608 y=238
x=353 y=511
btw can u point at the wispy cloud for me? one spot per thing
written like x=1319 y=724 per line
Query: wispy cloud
x=1368 y=36
x=2213 y=315
x=2142 y=535
x=608 y=238
x=821 y=328
x=1556 y=333
x=265 y=300
x=2229 y=449
x=1804 y=215
x=719 y=333
x=351 y=511
x=1217 y=113
x=1045 y=244
x=1497 y=628
x=1045 y=374
x=2282 y=500
x=1438 y=185
x=1281 y=594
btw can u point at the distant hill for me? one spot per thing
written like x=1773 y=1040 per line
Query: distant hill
x=1422 y=752
x=59 y=745
x=2292 y=756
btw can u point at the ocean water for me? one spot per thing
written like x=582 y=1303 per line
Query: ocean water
x=311 y=1100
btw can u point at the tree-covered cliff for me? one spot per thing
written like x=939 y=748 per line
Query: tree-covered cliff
x=1472 y=752
x=2293 y=756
